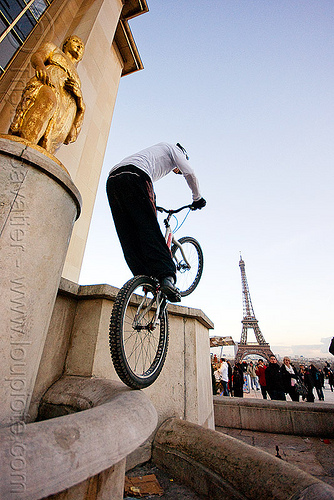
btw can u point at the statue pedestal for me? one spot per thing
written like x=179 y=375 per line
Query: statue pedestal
x=38 y=206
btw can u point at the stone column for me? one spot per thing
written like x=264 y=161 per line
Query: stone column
x=38 y=206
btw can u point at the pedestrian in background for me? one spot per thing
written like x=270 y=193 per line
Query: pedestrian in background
x=251 y=371
x=331 y=379
x=260 y=372
x=306 y=377
x=318 y=381
x=224 y=376
x=237 y=381
x=229 y=376
x=274 y=380
x=290 y=376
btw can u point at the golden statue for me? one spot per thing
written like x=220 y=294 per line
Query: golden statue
x=51 y=109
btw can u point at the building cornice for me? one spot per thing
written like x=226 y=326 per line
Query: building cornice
x=124 y=39
x=134 y=8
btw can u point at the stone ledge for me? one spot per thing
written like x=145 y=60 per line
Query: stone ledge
x=82 y=393
x=282 y=417
x=221 y=467
x=62 y=452
x=40 y=159
x=108 y=292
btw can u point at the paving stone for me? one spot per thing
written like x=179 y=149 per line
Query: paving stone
x=311 y=454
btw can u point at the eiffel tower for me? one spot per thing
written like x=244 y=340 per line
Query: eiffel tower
x=260 y=347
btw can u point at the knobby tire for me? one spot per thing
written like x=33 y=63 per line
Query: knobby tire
x=138 y=353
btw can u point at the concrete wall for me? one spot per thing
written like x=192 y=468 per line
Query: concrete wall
x=77 y=344
x=282 y=417
x=39 y=205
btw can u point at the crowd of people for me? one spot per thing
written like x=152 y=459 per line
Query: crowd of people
x=272 y=379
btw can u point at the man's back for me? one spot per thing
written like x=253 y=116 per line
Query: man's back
x=224 y=371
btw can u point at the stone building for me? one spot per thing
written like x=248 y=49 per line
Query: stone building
x=110 y=53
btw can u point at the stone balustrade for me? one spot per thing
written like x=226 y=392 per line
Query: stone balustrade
x=223 y=468
x=82 y=454
x=282 y=417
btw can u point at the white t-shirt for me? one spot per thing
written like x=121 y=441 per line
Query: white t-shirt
x=224 y=371
x=159 y=160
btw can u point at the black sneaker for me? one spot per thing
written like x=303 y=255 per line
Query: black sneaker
x=169 y=289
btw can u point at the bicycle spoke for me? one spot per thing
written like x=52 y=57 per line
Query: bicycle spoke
x=143 y=350
x=138 y=342
x=189 y=264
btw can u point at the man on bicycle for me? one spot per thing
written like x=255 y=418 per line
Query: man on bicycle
x=132 y=202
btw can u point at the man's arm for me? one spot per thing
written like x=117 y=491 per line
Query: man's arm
x=183 y=165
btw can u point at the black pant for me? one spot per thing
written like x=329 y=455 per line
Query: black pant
x=276 y=395
x=132 y=203
x=264 y=391
x=293 y=393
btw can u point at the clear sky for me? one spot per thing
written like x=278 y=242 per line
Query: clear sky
x=246 y=86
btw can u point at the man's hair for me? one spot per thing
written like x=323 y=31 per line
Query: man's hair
x=183 y=150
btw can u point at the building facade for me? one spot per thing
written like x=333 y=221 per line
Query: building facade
x=110 y=53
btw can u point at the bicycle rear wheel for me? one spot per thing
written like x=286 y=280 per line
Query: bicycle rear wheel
x=138 y=343
x=189 y=269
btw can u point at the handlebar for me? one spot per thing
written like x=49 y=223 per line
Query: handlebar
x=171 y=212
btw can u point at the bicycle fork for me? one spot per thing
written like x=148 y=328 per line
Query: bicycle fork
x=161 y=305
x=185 y=264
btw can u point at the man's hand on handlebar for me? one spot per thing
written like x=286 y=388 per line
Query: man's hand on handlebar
x=197 y=205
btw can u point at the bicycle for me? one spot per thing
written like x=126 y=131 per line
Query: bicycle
x=139 y=330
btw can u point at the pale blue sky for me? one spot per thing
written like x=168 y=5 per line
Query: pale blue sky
x=247 y=87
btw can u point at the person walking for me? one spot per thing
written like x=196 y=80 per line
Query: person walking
x=218 y=379
x=290 y=376
x=213 y=380
x=260 y=372
x=246 y=386
x=251 y=371
x=274 y=380
x=318 y=381
x=306 y=377
x=229 y=376
x=132 y=202
x=237 y=381
x=327 y=367
x=224 y=376
x=331 y=379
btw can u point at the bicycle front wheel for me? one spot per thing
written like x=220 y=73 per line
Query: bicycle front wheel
x=138 y=337
x=189 y=264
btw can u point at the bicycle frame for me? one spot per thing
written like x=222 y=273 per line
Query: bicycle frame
x=161 y=303
x=160 y=300
x=169 y=237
